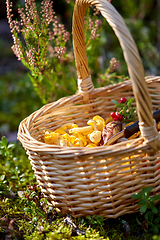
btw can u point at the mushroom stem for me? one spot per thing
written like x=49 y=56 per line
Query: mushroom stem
x=85 y=130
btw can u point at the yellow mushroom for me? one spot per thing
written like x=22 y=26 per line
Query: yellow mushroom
x=77 y=136
x=52 y=138
x=64 y=127
x=60 y=130
x=70 y=139
x=69 y=126
x=93 y=124
x=84 y=130
x=95 y=136
x=88 y=138
x=78 y=143
x=63 y=142
x=82 y=138
x=99 y=122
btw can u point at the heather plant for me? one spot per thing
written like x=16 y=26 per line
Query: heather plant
x=39 y=42
x=43 y=45
x=110 y=75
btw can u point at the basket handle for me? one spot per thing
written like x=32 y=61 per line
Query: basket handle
x=131 y=55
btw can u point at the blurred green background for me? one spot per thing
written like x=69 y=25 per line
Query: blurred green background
x=17 y=96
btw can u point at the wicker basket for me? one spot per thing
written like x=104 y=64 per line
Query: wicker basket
x=87 y=181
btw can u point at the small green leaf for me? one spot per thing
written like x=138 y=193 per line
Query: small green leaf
x=151 y=200
x=30 y=203
x=2 y=177
x=17 y=170
x=41 y=213
x=4 y=141
x=144 y=208
x=157 y=220
x=22 y=175
x=139 y=223
x=136 y=196
x=29 y=210
x=154 y=209
x=14 y=177
x=143 y=201
x=114 y=101
x=22 y=180
x=156 y=197
x=11 y=145
x=146 y=191
x=33 y=194
x=15 y=159
x=149 y=189
x=7 y=154
x=146 y=217
x=35 y=219
x=1 y=152
x=155 y=229
x=43 y=200
x=151 y=216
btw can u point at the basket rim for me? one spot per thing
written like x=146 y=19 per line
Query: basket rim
x=30 y=143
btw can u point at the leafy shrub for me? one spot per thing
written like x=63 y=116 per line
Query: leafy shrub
x=149 y=210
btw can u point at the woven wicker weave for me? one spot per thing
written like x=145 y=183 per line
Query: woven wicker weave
x=88 y=181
